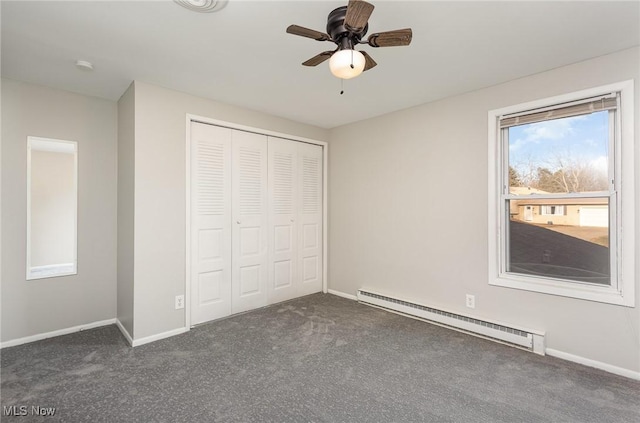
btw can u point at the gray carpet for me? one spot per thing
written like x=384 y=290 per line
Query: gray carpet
x=315 y=359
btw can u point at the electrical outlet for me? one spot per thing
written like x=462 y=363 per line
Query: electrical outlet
x=471 y=301
x=179 y=302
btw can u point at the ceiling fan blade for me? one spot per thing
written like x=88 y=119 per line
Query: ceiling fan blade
x=309 y=33
x=368 y=61
x=358 y=13
x=317 y=59
x=399 y=37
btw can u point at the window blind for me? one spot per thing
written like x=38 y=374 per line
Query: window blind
x=582 y=107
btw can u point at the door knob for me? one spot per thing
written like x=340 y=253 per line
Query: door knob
x=238 y=222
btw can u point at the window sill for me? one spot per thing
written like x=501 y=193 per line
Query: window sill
x=577 y=290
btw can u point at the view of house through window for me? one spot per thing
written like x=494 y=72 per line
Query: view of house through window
x=561 y=187
x=558 y=193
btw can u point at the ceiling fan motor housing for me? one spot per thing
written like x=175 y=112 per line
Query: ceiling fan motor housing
x=340 y=34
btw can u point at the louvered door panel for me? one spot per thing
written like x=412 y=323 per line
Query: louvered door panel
x=310 y=218
x=249 y=209
x=283 y=241
x=210 y=222
x=256 y=218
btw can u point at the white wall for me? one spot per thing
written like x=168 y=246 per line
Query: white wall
x=44 y=305
x=126 y=166
x=408 y=213
x=160 y=195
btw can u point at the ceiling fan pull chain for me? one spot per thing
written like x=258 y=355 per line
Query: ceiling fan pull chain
x=352 y=59
x=341 y=86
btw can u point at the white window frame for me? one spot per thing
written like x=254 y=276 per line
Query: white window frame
x=622 y=207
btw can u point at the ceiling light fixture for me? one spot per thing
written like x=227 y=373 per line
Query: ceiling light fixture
x=346 y=27
x=346 y=64
x=202 y=6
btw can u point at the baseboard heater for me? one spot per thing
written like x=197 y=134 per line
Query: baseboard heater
x=522 y=338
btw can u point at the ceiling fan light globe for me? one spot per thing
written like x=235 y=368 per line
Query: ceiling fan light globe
x=341 y=64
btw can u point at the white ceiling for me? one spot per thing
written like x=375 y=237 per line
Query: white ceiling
x=241 y=55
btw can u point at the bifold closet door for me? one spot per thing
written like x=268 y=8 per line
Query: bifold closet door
x=256 y=221
x=309 y=249
x=249 y=222
x=295 y=219
x=283 y=212
x=210 y=222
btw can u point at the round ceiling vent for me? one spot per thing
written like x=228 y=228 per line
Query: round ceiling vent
x=202 y=6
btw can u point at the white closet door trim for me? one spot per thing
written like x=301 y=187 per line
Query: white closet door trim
x=187 y=245
x=203 y=119
x=231 y=125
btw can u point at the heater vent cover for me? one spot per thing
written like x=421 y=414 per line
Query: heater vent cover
x=523 y=338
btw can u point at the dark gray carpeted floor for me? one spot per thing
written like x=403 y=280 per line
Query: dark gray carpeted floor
x=315 y=359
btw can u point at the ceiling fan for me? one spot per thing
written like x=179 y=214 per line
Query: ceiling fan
x=346 y=27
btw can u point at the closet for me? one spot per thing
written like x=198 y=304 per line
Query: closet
x=256 y=220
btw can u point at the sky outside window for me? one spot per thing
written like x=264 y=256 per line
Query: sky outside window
x=575 y=146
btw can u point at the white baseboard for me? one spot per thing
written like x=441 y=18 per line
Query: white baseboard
x=124 y=331
x=593 y=363
x=342 y=294
x=40 y=336
x=157 y=337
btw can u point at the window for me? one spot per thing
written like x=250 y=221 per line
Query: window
x=551 y=210
x=559 y=169
x=52 y=208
